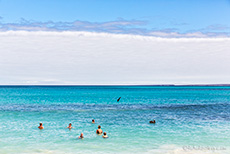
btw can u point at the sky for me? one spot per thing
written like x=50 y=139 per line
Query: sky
x=129 y=16
x=107 y=42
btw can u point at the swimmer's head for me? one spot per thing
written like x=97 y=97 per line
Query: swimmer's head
x=81 y=135
x=99 y=127
x=40 y=124
x=93 y=120
x=70 y=124
x=152 y=121
x=104 y=133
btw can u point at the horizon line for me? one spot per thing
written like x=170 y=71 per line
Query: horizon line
x=153 y=85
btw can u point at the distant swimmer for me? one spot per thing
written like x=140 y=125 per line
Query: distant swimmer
x=105 y=135
x=99 y=130
x=93 y=121
x=41 y=126
x=81 y=136
x=118 y=99
x=70 y=126
x=152 y=122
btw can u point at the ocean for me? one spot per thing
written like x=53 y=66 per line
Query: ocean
x=189 y=119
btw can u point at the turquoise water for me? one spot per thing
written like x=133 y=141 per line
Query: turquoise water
x=188 y=119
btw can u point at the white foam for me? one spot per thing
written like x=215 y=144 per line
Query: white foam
x=175 y=149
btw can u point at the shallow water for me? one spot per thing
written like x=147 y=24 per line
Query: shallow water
x=188 y=119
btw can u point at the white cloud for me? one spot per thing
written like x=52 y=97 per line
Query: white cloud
x=101 y=58
x=119 y=26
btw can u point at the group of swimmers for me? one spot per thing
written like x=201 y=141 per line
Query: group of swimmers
x=98 y=131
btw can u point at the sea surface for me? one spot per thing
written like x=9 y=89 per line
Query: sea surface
x=190 y=120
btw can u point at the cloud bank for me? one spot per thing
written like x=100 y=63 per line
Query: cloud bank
x=67 y=57
x=119 y=26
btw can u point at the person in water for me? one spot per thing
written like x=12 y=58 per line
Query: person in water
x=152 y=122
x=105 y=135
x=70 y=126
x=81 y=136
x=99 y=130
x=41 y=126
x=93 y=121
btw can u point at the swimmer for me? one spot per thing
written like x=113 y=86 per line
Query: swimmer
x=70 y=126
x=99 y=130
x=41 y=126
x=105 y=135
x=93 y=121
x=152 y=122
x=81 y=136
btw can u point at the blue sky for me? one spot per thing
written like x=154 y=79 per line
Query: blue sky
x=181 y=16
